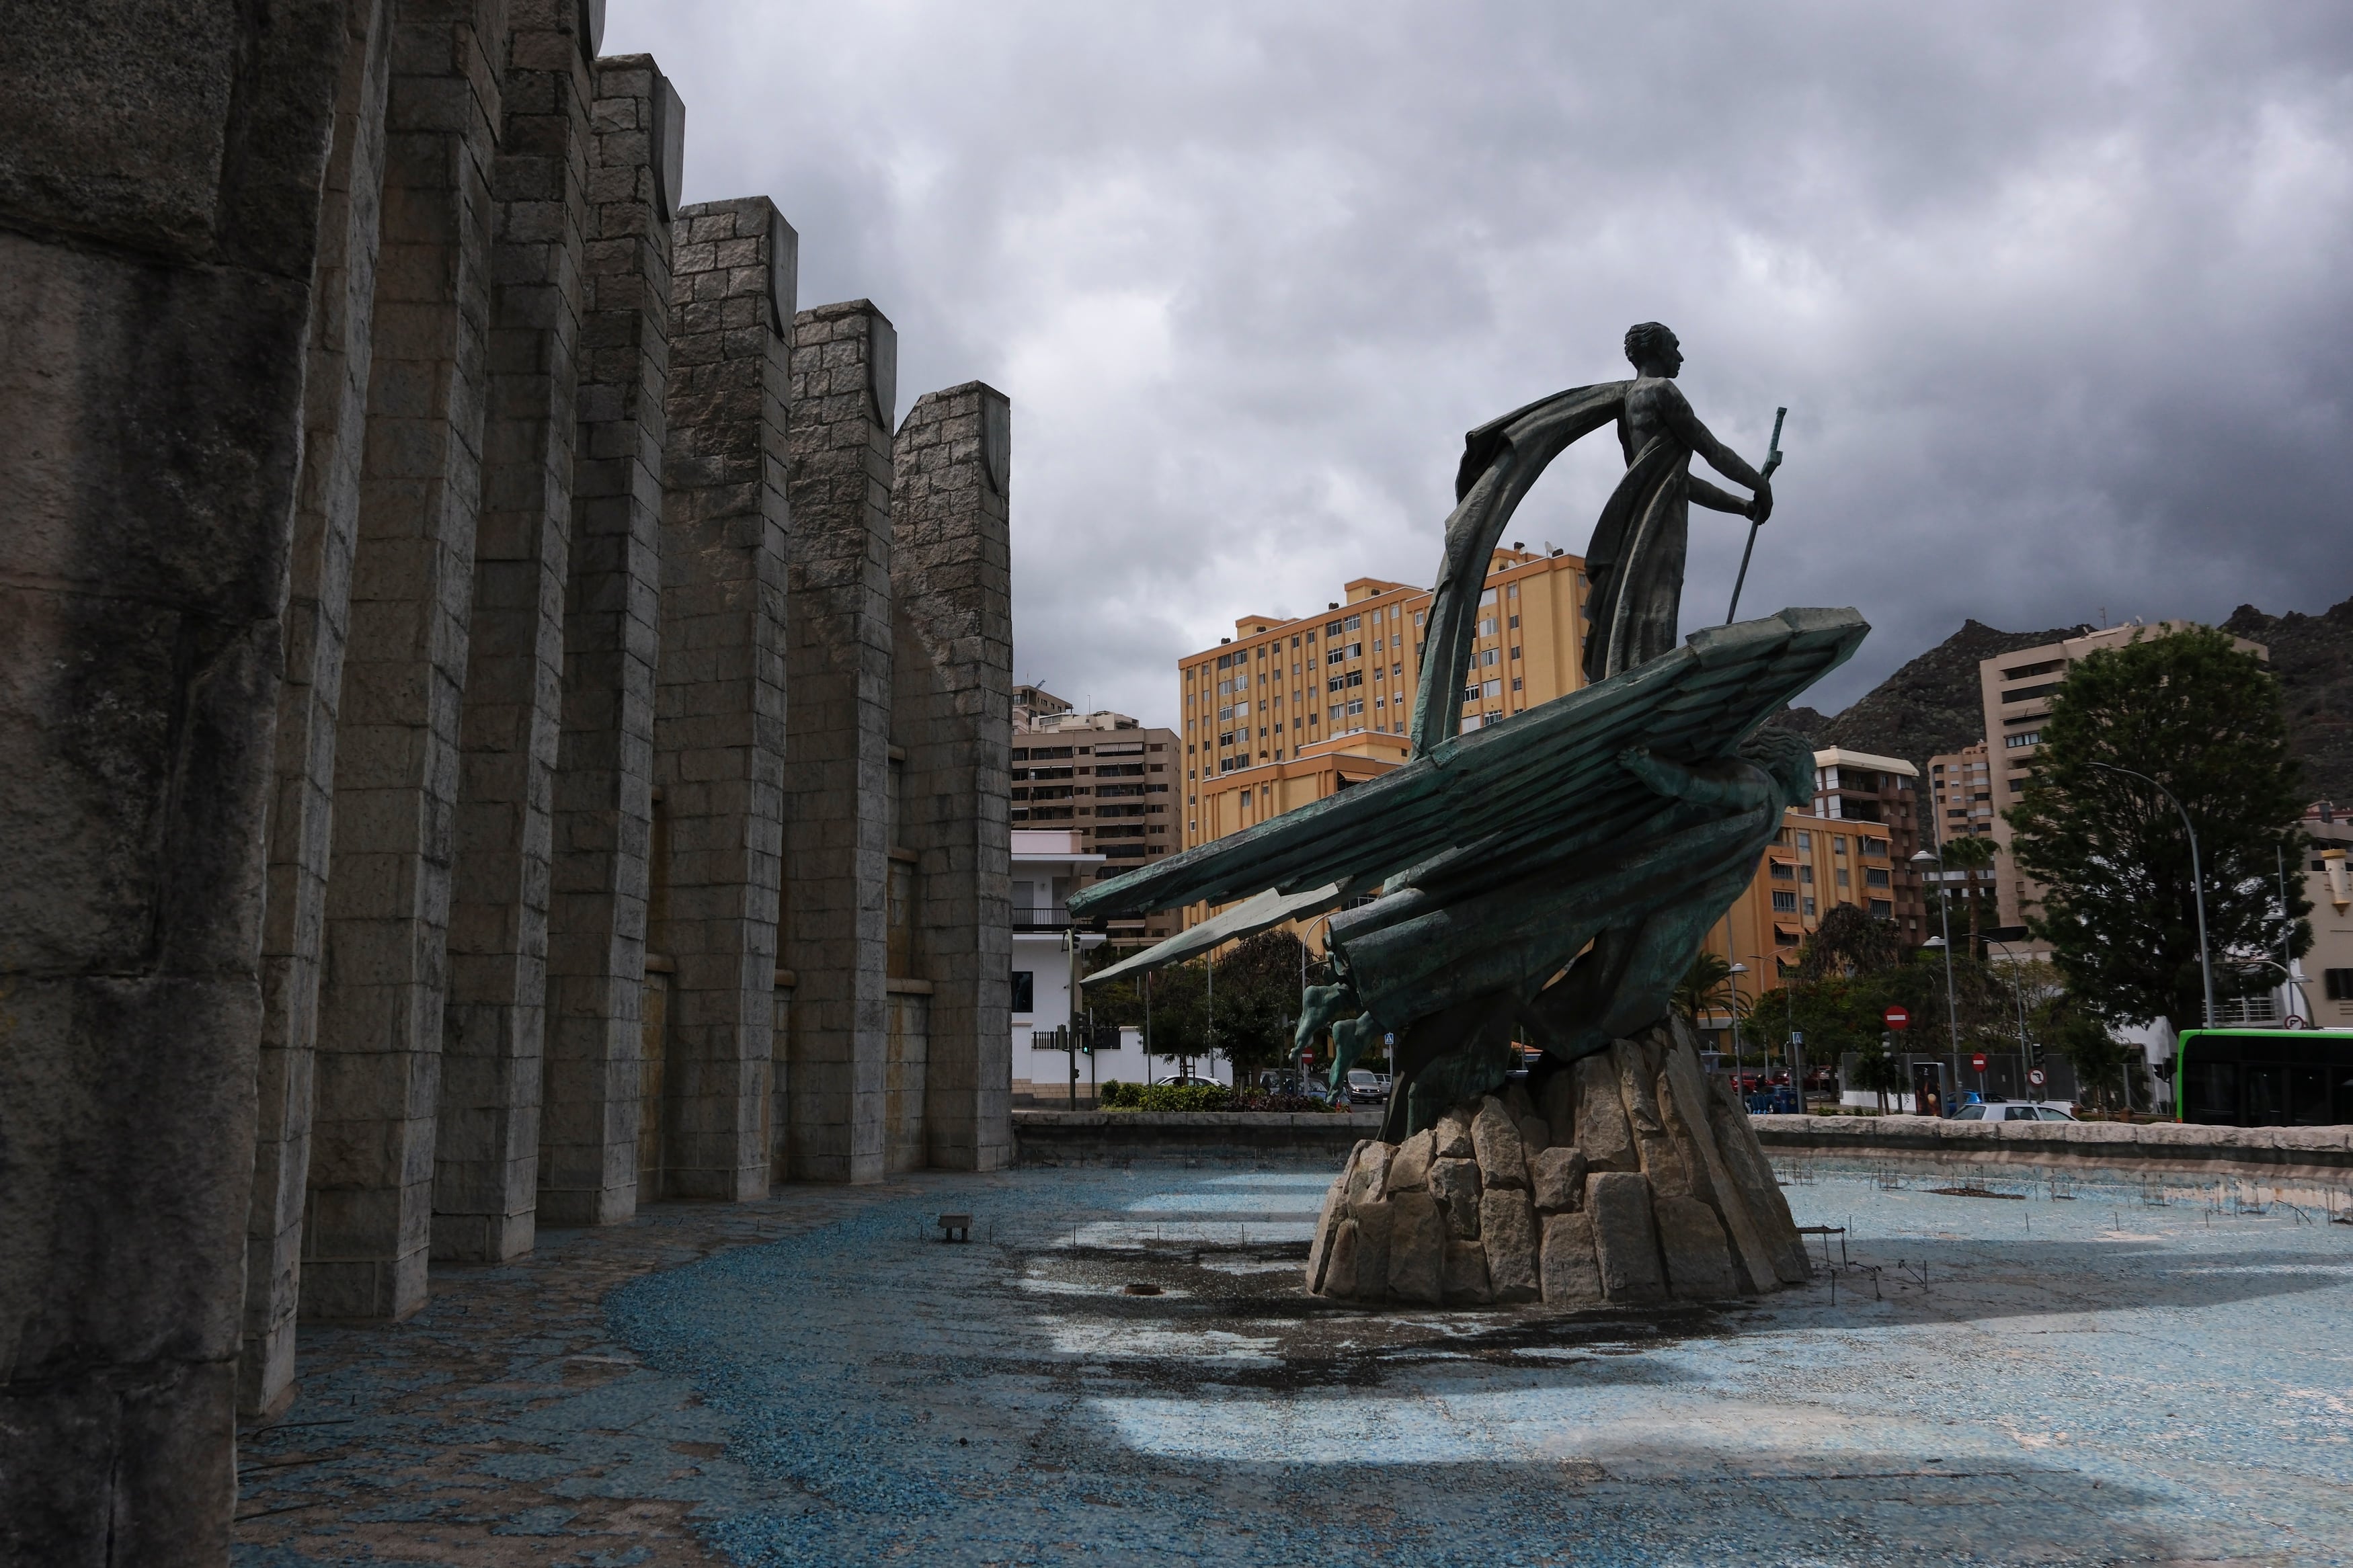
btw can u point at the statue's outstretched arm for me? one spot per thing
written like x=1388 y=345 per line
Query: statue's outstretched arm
x=1714 y=499
x=1743 y=788
x=1677 y=411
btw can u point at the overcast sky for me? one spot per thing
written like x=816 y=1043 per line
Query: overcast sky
x=2057 y=296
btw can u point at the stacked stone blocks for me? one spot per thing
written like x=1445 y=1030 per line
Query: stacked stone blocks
x=720 y=731
x=951 y=587
x=487 y=1138
x=378 y=1074
x=603 y=795
x=1657 y=1189
x=838 y=755
x=398 y=576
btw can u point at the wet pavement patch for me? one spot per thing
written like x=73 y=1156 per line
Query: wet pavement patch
x=1123 y=1367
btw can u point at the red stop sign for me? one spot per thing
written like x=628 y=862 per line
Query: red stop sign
x=1896 y=1018
x=1977 y=1061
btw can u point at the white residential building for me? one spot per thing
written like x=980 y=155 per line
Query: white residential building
x=1048 y=864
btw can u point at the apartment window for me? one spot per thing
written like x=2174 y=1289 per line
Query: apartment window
x=2338 y=984
x=1517 y=683
x=1516 y=621
x=1025 y=992
x=1874 y=876
x=1880 y=910
x=1875 y=847
x=1515 y=652
x=2031 y=738
x=1805 y=840
x=1352 y=623
x=1809 y=901
x=1842 y=877
x=1805 y=873
x=1489 y=656
x=1487 y=627
x=1785 y=903
x=1491 y=688
x=1486 y=598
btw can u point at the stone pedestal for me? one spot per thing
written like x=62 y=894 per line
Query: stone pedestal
x=1702 y=1219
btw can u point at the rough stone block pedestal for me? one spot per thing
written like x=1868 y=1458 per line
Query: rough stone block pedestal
x=1698 y=1217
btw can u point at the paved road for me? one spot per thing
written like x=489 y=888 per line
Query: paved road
x=2052 y=1378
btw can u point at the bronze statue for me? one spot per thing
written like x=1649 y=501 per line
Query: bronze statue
x=1553 y=874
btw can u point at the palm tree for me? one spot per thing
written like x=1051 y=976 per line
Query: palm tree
x=1975 y=856
x=1709 y=987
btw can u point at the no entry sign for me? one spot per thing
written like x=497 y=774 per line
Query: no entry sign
x=1896 y=1018
x=1977 y=1061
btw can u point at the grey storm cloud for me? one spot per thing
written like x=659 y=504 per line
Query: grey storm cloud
x=2057 y=296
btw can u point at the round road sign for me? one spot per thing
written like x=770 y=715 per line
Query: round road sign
x=1896 y=1018
x=1977 y=1061
x=2035 y=1077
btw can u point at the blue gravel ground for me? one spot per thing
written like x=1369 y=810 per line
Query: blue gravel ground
x=2051 y=1379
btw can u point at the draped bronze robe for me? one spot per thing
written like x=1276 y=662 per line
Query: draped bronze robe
x=1635 y=560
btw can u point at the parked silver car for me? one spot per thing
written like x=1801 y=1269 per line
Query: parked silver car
x=2013 y=1110
x=1368 y=1088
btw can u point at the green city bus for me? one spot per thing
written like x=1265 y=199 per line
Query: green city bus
x=2263 y=1078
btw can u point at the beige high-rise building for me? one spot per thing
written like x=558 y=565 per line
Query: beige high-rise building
x=1287 y=711
x=1110 y=779
x=2015 y=691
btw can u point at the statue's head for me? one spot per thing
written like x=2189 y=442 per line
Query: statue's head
x=1787 y=758
x=1652 y=350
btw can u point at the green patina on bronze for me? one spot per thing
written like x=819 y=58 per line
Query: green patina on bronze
x=1552 y=874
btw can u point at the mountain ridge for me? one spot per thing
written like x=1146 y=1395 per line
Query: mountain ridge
x=1932 y=705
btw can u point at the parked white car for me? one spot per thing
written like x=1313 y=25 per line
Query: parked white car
x=2013 y=1110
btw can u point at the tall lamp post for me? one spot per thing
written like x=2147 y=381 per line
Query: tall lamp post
x=1921 y=862
x=1792 y=1043
x=1732 y=982
x=2197 y=879
x=2018 y=993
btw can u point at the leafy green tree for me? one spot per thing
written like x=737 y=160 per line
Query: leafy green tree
x=1849 y=941
x=2064 y=1025
x=1246 y=1014
x=2206 y=720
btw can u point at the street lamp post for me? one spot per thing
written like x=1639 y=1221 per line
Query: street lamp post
x=1732 y=982
x=2018 y=994
x=2196 y=882
x=1922 y=861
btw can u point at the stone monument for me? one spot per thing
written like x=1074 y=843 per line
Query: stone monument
x=1547 y=878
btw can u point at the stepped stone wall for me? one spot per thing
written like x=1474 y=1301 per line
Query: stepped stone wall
x=398 y=697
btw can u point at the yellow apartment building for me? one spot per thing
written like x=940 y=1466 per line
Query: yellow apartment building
x=1815 y=864
x=1287 y=711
